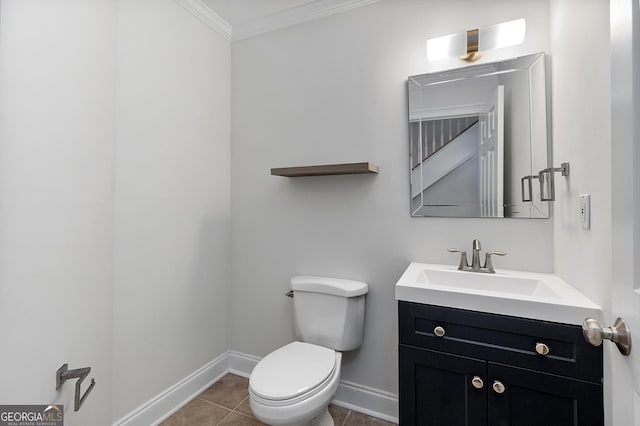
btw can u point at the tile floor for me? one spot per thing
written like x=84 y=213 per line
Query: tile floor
x=226 y=402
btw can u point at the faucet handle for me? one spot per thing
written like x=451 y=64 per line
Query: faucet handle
x=463 y=258
x=488 y=264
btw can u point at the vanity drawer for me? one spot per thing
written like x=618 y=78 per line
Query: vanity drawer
x=500 y=338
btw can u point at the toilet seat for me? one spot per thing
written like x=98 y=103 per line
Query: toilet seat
x=292 y=373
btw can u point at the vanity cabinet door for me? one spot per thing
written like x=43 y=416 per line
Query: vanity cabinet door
x=442 y=350
x=529 y=398
x=437 y=389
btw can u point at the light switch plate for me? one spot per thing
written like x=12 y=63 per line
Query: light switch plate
x=584 y=210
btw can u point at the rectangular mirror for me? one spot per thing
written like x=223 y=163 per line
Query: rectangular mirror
x=478 y=138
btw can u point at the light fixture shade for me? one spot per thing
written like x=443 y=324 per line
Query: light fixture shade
x=446 y=46
x=506 y=34
x=496 y=36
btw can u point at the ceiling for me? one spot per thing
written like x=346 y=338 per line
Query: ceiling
x=242 y=19
x=242 y=12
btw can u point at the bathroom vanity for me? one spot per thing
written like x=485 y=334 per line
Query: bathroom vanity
x=460 y=367
x=503 y=349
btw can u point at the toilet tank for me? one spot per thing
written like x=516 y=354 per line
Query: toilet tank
x=329 y=311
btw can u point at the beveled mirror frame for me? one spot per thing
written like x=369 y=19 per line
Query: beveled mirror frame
x=477 y=139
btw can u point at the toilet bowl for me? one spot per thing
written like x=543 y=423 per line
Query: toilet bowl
x=293 y=385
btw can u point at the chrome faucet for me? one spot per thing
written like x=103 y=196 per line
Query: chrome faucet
x=475 y=259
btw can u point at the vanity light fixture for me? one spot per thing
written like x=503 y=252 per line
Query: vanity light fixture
x=467 y=45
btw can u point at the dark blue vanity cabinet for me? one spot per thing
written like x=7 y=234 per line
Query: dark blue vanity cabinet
x=466 y=368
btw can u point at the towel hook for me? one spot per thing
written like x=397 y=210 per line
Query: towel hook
x=63 y=374
x=564 y=171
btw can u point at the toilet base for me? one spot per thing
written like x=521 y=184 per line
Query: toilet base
x=322 y=419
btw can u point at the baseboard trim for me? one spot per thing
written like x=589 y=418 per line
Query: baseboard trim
x=159 y=408
x=241 y=364
x=352 y=396
x=370 y=401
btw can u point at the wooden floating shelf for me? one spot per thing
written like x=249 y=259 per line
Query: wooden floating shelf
x=326 y=170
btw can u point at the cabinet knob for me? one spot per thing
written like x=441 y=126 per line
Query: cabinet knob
x=542 y=349
x=498 y=387
x=438 y=331
x=477 y=382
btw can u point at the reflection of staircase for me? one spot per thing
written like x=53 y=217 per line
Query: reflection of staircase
x=451 y=155
x=436 y=134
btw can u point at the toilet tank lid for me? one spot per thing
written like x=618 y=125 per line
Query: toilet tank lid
x=327 y=285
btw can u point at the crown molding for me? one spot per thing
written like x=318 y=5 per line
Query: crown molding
x=198 y=9
x=308 y=12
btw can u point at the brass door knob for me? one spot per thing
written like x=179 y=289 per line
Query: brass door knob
x=477 y=382
x=438 y=331
x=498 y=387
x=542 y=349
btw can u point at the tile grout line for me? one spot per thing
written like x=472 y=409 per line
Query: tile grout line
x=214 y=403
x=224 y=418
x=235 y=410
x=344 y=423
x=240 y=403
x=246 y=416
x=229 y=412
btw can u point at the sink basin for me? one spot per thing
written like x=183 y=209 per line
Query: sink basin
x=501 y=283
x=515 y=293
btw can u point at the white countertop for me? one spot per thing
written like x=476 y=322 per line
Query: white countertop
x=522 y=294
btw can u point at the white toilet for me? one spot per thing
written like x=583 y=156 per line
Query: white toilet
x=294 y=384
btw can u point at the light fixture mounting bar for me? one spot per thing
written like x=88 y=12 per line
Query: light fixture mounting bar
x=473 y=41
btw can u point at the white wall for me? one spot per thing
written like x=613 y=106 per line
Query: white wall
x=57 y=108
x=114 y=199
x=581 y=136
x=330 y=91
x=172 y=217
